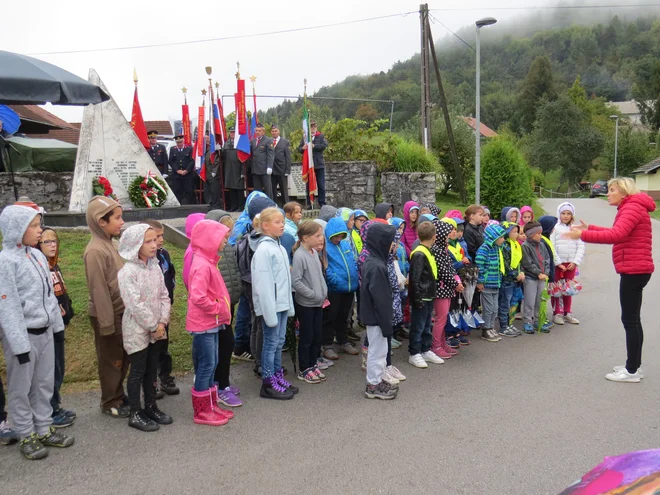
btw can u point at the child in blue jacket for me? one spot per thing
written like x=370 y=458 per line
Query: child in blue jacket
x=490 y=262
x=342 y=280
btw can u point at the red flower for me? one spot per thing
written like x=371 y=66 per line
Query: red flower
x=143 y=186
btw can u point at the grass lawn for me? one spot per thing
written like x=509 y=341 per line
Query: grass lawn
x=656 y=214
x=80 y=351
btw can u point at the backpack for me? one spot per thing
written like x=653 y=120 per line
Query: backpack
x=244 y=254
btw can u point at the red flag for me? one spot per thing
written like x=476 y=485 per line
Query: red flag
x=137 y=122
x=200 y=145
x=308 y=173
x=185 y=122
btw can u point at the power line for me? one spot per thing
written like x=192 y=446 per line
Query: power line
x=343 y=23
x=452 y=32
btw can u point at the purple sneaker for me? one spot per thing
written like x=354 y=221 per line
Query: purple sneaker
x=279 y=376
x=228 y=398
x=234 y=390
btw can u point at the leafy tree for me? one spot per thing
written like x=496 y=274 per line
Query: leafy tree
x=646 y=91
x=367 y=113
x=464 y=140
x=505 y=175
x=634 y=150
x=538 y=85
x=564 y=139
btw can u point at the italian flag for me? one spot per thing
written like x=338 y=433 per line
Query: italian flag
x=308 y=174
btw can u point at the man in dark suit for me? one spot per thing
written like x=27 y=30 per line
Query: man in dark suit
x=157 y=152
x=234 y=174
x=213 y=187
x=262 y=161
x=183 y=171
x=281 y=166
x=319 y=144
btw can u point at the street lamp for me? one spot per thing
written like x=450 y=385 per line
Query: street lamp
x=616 y=140
x=486 y=21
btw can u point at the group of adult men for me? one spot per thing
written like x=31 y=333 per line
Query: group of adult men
x=267 y=170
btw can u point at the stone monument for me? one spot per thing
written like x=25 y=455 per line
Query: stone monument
x=110 y=148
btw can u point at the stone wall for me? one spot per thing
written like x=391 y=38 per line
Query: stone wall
x=351 y=184
x=421 y=187
x=52 y=190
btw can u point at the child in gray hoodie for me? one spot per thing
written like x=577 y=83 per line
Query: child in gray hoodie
x=30 y=316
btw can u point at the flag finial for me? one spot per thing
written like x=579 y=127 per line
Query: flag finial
x=209 y=70
x=217 y=86
x=203 y=92
x=184 y=90
x=238 y=70
x=135 y=78
x=253 y=78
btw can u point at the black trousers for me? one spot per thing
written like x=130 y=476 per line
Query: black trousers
x=58 y=342
x=335 y=316
x=3 y=411
x=161 y=347
x=310 y=335
x=630 y=295
x=263 y=183
x=282 y=182
x=236 y=199
x=213 y=193
x=144 y=365
x=225 y=348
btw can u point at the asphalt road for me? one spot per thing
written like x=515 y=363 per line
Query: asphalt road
x=524 y=416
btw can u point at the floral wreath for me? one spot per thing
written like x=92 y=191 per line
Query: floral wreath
x=101 y=187
x=147 y=191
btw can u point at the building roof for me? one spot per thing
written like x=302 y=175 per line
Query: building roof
x=625 y=107
x=72 y=133
x=650 y=168
x=484 y=130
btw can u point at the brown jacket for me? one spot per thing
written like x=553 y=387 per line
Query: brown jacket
x=102 y=263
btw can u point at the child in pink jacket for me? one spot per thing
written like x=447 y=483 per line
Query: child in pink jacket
x=209 y=313
x=410 y=216
x=191 y=221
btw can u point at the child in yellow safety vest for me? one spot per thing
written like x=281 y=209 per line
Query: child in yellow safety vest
x=512 y=277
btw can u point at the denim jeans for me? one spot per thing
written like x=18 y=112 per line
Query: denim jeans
x=421 y=335
x=56 y=400
x=504 y=299
x=271 y=353
x=242 y=325
x=205 y=359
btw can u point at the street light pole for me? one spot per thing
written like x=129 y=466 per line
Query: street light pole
x=616 y=141
x=486 y=21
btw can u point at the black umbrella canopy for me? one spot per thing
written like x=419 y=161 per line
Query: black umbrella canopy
x=29 y=81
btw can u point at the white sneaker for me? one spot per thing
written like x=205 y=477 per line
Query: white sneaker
x=395 y=344
x=639 y=370
x=418 y=361
x=386 y=376
x=623 y=376
x=558 y=319
x=569 y=318
x=432 y=357
x=394 y=371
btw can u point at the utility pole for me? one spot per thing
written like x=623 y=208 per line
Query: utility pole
x=445 y=112
x=425 y=76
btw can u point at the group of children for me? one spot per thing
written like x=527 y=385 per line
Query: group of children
x=275 y=275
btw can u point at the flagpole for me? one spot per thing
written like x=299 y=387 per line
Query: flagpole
x=244 y=164
x=253 y=78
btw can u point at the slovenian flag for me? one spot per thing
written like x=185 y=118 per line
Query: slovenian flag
x=242 y=141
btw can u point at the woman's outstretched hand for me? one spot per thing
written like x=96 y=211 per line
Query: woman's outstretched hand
x=575 y=233
x=582 y=226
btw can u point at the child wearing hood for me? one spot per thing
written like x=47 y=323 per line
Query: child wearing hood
x=402 y=267
x=571 y=254
x=490 y=262
x=30 y=316
x=510 y=214
x=548 y=223
x=106 y=307
x=384 y=211
x=360 y=216
x=376 y=310
x=410 y=216
x=485 y=216
x=209 y=313
x=536 y=266
x=273 y=301
x=49 y=245
x=146 y=315
x=342 y=281
x=512 y=256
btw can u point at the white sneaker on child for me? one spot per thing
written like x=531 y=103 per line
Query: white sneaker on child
x=569 y=318
x=418 y=361
x=386 y=376
x=623 y=376
x=623 y=367
x=432 y=357
x=394 y=371
x=558 y=319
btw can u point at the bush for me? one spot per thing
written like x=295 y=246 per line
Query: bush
x=505 y=176
x=537 y=178
x=412 y=157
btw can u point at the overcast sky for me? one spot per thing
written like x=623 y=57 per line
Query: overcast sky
x=280 y=61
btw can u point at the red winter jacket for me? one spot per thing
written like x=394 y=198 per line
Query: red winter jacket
x=631 y=235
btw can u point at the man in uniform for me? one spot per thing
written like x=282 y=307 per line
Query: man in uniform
x=262 y=161
x=319 y=144
x=234 y=174
x=281 y=166
x=157 y=152
x=183 y=171
x=212 y=188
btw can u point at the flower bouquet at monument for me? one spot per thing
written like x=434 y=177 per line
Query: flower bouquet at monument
x=101 y=187
x=148 y=191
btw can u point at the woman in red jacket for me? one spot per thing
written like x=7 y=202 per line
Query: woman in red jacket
x=632 y=253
